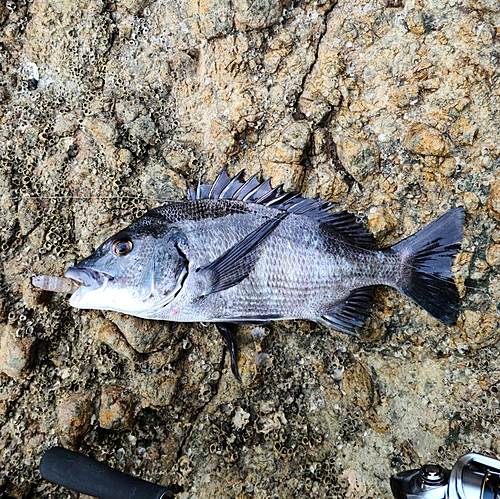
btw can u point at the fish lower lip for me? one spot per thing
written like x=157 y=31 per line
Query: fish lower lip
x=87 y=277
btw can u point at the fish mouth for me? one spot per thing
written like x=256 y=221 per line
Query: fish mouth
x=88 y=277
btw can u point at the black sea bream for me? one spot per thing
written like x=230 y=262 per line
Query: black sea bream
x=241 y=252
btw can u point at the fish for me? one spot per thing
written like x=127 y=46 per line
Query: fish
x=242 y=252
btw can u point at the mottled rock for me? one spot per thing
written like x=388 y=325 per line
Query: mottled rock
x=356 y=484
x=495 y=237
x=481 y=328
x=291 y=143
x=415 y=20
x=164 y=185
x=177 y=160
x=406 y=95
x=270 y=422
x=16 y=353
x=494 y=199
x=256 y=15
x=493 y=254
x=102 y=131
x=225 y=141
x=4 y=11
x=127 y=111
x=463 y=132
x=143 y=128
x=359 y=158
x=73 y=418
x=485 y=33
x=157 y=390
x=422 y=139
x=142 y=335
x=28 y=215
x=284 y=153
x=116 y=408
x=448 y=167
x=471 y=202
x=209 y=87
x=288 y=174
x=215 y=17
x=381 y=221
x=357 y=385
x=321 y=89
x=376 y=422
x=111 y=335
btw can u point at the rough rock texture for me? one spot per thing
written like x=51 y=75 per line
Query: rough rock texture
x=73 y=418
x=389 y=108
x=115 y=411
x=16 y=353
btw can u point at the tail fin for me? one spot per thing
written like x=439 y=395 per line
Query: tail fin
x=426 y=259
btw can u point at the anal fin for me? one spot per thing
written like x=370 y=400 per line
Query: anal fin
x=350 y=313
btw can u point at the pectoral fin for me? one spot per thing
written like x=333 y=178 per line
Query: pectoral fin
x=237 y=262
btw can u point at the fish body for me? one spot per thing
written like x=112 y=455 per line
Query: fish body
x=302 y=270
x=242 y=252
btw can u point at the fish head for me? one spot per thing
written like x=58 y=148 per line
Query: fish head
x=137 y=271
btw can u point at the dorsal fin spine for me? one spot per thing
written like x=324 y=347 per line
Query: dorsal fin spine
x=220 y=183
x=261 y=190
x=239 y=193
x=278 y=199
x=253 y=191
x=231 y=183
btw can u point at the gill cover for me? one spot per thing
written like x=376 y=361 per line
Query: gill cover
x=132 y=272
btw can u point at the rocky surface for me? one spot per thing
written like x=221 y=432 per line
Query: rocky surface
x=389 y=108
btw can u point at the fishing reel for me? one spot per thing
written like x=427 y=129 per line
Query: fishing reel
x=473 y=477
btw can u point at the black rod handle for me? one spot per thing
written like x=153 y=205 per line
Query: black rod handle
x=87 y=476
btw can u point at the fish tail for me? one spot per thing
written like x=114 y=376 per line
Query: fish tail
x=426 y=260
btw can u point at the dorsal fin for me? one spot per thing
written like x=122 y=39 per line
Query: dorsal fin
x=346 y=225
x=253 y=191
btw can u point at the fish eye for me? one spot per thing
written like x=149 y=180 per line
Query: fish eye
x=122 y=247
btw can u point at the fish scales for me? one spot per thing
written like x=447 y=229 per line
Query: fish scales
x=298 y=274
x=240 y=251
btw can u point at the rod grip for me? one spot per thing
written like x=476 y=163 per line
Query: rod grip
x=87 y=476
